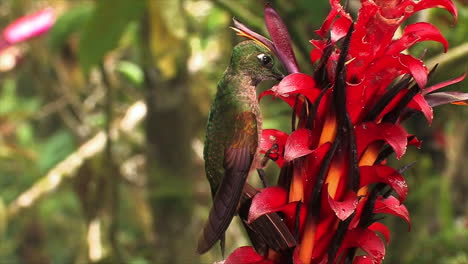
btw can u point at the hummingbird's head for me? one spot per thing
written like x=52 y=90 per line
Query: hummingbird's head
x=256 y=61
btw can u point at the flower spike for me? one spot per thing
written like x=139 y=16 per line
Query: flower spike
x=334 y=184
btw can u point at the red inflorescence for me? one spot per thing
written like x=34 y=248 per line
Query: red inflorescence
x=346 y=121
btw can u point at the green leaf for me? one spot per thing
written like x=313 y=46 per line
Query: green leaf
x=105 y=28
x=3 y=217
x=55 y=149
x=25 y=134
x=70 y=22
x=8 y=96
x=131 y=72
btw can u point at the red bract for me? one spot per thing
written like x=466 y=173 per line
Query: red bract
x=272 y=145
x=387 y=175
x=246 y=255
x=272 y=199
x=292 y=85
x=391 y=205
x=346 y=120
x=298 y=144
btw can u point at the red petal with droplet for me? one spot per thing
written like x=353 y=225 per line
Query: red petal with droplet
x=416 y=68
x=344 y=208
x=290 y=100
x=419 y=103
x=382 y=229
x=391 y=205
x=394 y=135
x=296 y=83
x=340 y=28
x=246 y=255
x=388 y=67
x=415 y=33
x=363 y=260
x=269 y=200
x=271 y=137
x=367 y=240
x=385 y=174
x=378 y=76
x=410 y=7
x=297 y=144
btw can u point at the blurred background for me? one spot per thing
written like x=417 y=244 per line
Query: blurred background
x=143 y=74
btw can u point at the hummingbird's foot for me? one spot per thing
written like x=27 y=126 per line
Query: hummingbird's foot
x=271 y=154
x=261 y=175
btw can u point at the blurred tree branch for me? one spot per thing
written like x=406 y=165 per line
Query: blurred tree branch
x=113 y=177
x=452 y=180
x=453 y=54
x=168 y=130
x=69 y=166
x=242 y=14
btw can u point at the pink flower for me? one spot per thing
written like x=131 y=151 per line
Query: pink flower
x=29 y=26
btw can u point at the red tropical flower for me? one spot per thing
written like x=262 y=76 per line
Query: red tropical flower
x=346 y=121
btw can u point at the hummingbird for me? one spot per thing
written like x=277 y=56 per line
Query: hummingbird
x=233 y=134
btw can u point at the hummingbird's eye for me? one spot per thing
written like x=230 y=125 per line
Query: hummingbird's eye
x=265 y=60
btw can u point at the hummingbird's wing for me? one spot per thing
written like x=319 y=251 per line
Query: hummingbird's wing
x=238 y=157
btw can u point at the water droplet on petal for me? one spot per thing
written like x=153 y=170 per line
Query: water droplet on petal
x=409 y=9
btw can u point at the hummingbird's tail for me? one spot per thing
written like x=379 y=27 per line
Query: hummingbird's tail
x=224 y=208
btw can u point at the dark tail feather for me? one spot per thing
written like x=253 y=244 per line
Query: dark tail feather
x=224 y=208
x=268 y=231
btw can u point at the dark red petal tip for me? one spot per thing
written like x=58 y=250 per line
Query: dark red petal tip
x=281 y=39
